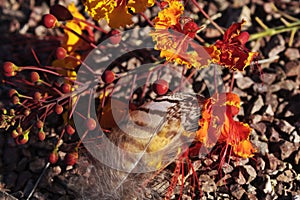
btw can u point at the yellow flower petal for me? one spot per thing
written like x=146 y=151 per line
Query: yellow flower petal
x=244 y=149
x=169 y=16
x=138 y=6
x=119 y=17
x=99 y=9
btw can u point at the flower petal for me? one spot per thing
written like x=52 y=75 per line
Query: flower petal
x=119 y=17
x=138 y=6
x=244 y=149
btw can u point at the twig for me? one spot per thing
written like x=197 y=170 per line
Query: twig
x=38 y=180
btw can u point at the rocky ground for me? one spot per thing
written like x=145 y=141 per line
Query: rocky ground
x=270 y=96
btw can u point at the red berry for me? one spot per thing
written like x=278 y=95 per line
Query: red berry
x=61 y=53
x=66 y=88
x=37 y=96
x=91 y=124
x=115 y=37
x=108 y=76
x=19 y=129
x=14 y=134
x=49 y=21
x=39 y=124
x=41 y=135
x=12 y=112
x=70 y=130
x=26 y=112
x=53 y=157
x=34 y=77
x=161 y=87
x=71 y=158
x=22 y=139
x=59 y=109
x=15 y=100
x=9 y=67
x=10 y=74
x=13 y=92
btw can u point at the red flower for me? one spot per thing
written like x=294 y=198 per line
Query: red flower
x=217 y=125
x=231 y=51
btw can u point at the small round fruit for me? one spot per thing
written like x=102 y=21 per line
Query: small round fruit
x=108 y=76
x=14 y=134
x=59 y=109
x=19 y=130
x=27 y=112
x=70 y=130
x=61 y=53
x=49 y=21
x=34 y=77
x=71 y=158
x=15 y=100
x=91 y=124
x=13 y=92
x=39 y=124
x=161 y=87
x=41 y=135
x=22 y=139
x=10 y=74
x=37 y=96
x=9 y=67
x=115 y=37
x=53 y=157
x=66 y=88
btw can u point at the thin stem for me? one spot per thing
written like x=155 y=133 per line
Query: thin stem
x=83 y=63
x=78 y=35
x=146 y=18
x=92 y=25
x=232 y=82
x=39 y=69
x=275 y=31
x=38 y=180
x=208 y=17
x=81 y=139
x=261 y=23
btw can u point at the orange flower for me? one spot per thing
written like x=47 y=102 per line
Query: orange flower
x=116 y=11
x=172 y=38
x=68 y=64
x=217 y=125
x=169 y=16
x=231 y=51
x=72 y=42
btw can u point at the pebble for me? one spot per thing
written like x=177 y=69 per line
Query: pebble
x=258 y=104
x=292 y=53
x=287 y=148
x=10 y=179
x=23 y=178
x=284 y=126
x=292 y=68
x=237 y=191
x=207 y=183
x=37 y=165
x=261 y=127
x=244 y=82
x=249 y=173
x=287 y=176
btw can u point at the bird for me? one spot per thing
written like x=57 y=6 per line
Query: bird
x=145 y=141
